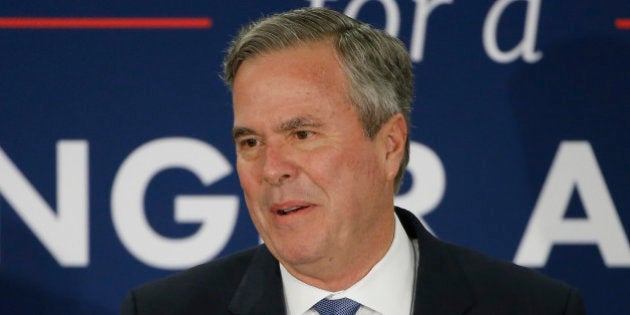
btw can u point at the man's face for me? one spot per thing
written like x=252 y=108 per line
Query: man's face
x=317 y=189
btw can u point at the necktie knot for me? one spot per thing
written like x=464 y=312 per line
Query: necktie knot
x=343 y=306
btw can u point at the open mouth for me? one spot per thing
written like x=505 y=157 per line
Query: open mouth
x=290 y=210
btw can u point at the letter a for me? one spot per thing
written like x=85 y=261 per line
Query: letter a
x=525 y=47
x=574 y=167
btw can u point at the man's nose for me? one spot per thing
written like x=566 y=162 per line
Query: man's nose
x=278 y=166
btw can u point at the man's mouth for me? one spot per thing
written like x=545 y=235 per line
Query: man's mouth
x=290 y=210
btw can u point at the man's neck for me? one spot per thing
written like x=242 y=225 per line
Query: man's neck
x=335 y=274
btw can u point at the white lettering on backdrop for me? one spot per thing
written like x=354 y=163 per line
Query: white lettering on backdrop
x=574 y=168
x=217 y=214
x=63 y=233
x=525 y=48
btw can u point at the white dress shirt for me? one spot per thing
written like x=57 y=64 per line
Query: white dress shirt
x=386 y=290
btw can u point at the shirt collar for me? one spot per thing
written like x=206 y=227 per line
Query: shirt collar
x=387 y=288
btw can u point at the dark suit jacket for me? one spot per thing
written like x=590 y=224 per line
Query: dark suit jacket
x=451 y=280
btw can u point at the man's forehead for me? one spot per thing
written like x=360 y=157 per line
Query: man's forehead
x=290 y=88
x=263 y=52
x=314 y=58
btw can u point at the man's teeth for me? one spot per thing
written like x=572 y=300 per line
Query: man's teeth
x=285 y=211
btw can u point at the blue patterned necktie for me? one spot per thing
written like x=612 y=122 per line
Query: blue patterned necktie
x=343 y=306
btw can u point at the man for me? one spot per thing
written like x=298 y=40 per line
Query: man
x=321 y=109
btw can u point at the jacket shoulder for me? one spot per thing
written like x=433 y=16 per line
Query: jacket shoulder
x=478 y=284
x=517 y=290
x=207 y=287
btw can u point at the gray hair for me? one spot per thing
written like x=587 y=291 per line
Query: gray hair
x=377 y=65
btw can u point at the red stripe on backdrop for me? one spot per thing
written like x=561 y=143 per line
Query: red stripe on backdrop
x=622 y=24
x=105 y=23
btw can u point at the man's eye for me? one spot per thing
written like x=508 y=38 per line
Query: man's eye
x=249 y=142
x=303 y=134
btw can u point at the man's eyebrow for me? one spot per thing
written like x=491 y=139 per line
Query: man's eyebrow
x=297 y=123
x=238 y=132
x=289 y=125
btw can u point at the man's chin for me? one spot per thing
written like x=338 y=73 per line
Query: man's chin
x=296 y=258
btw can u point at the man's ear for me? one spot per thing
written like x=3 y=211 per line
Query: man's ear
x=394 y=133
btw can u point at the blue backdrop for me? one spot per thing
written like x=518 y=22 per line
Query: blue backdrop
x=117 y=165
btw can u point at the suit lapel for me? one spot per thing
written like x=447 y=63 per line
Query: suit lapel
x=260 y=291
x=441 y=286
